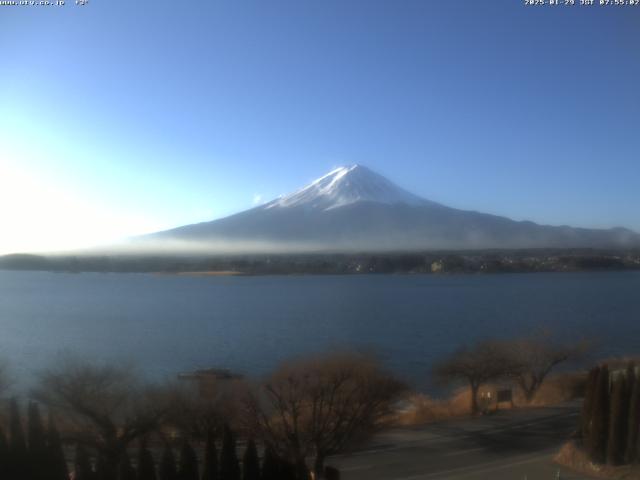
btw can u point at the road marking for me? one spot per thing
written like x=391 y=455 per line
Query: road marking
x=476 y=469
x=463 y=452
x=530 y=424
x=444 y=438
x=359 y=467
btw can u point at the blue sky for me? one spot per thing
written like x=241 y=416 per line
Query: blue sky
x=121 y=117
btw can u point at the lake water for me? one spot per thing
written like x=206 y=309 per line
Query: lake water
x=167 y=324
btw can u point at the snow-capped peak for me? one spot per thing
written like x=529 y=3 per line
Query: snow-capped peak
x=344 y=186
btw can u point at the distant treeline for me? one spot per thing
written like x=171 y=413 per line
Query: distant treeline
x=491 y=261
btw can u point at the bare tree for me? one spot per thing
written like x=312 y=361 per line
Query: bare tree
x=197 y=414
x=532 y=359
x=106 y=407
x=477 y=365
x=321 y=406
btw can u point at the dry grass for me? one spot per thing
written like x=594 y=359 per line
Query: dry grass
x=573 y=457
x=421 y=409
x=558 y=388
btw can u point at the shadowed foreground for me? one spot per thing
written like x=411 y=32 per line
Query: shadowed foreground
x=506 y=445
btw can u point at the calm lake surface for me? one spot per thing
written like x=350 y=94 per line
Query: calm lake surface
x=166 y=324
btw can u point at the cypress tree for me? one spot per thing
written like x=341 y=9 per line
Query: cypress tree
x=4 y=455
x=210 y=467
x=188 y=462
x=18 y=462
x=105 y=468
x=125 y=469
x=37 y=444
x=146 y=465
x=270 y=470
x=631 y=377
x=618 y=422
x=168 y=469
x=82 y=466
x=587 y=405
x=631 y=454
x=600 y=419
x=287 y=470
x=102 y=469
x=301 y=471
x=57 y=463
x=250 y=462
x=229 y=466
x=331 y=473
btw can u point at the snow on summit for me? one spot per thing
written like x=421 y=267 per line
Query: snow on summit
x=344 y=186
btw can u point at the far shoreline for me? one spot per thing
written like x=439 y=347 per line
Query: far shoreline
x=202 y=273
x=362 y=263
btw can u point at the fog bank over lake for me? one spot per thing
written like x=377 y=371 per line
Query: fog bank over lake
x=166 y=324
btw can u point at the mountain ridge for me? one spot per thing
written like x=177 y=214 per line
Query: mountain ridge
x=354 y=208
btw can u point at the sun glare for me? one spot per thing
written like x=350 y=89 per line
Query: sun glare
x=40 y=215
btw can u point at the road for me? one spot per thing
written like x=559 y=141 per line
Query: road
x=509 y=445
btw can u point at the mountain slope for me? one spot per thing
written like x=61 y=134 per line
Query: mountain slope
x=353 y=208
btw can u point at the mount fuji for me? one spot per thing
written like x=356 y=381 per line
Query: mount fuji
x=355 y=209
